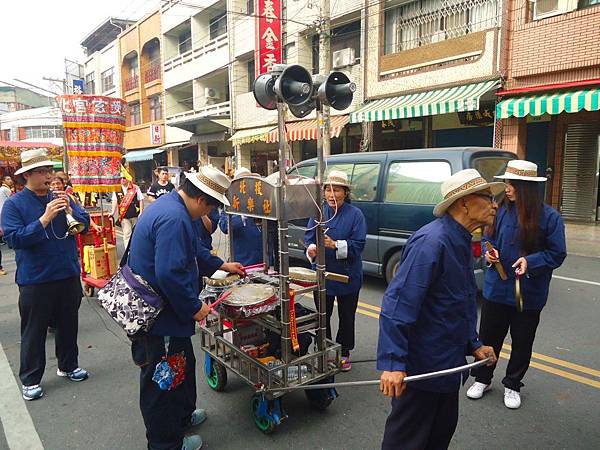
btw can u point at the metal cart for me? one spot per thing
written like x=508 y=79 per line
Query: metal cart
x=254 y=197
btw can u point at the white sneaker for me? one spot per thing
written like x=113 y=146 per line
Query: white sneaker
x=477 y=390
x=512 y=399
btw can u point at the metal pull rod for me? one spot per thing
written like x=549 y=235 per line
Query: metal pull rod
x=421 y=377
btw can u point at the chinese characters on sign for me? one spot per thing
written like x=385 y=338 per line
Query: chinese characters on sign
x=156 y=134
x=268 y=35
x=251 y=196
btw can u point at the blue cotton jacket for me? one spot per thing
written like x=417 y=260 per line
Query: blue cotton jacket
x=42 y=254
x=163 y=251
x=207 y=262
x=428 y=319
x=204 y=235
x=348 y=225
x=247 y=239
x=540 y=265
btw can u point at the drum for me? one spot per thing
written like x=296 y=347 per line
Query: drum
x=249 y=300
x=214 y=287
x=303 y=276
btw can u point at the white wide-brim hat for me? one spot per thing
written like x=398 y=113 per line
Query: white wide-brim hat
x=241 y=172
x=36 y=157
x=519 y=169
x=460 y=185
x=337 y=178
x=211 y=181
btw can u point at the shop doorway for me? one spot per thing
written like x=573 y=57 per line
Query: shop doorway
x=580 y=166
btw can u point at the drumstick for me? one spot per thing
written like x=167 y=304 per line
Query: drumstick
x=220 y=299
x=499 y=267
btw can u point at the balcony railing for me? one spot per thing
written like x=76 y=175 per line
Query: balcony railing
x=131 y=83
x=153 y=73
x=197 y=52
x=218 y=110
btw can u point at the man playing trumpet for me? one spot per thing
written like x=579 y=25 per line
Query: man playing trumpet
x=35 y=226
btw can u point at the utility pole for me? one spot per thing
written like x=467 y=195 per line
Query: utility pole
x=325 y=68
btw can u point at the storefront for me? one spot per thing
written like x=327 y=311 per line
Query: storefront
x=142 y=164
x=456 y=116
x=564 y=142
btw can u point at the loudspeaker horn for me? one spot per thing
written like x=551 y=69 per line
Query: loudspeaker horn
x=336 y=91
x=303 y=110
x=264 y=93
x=294 y=85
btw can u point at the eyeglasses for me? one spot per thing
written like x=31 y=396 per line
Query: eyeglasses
x=45 y=171
x=488 y=197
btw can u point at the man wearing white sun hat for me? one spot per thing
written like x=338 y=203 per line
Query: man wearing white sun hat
x=528 y=240
x=48 y=270
x=164 y=251
x=428 y=318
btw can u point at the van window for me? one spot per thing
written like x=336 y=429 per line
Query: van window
x=305 y=171
x=364 y=182
x=416 y=182
x=488 y=167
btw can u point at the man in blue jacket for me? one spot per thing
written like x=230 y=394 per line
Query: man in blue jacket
x=428 y=319
x=48 y=270
x=164 y=252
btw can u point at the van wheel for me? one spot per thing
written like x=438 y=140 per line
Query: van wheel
x=392 y=266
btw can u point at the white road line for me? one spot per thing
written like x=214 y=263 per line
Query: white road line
x=16 y=421
x=576 y=280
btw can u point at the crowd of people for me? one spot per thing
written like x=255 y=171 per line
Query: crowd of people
x=428 y=319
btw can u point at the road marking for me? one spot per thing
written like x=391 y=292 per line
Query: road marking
x=576 y=280
x=17 y=423
x=560 y=362
x=559 y=372
x=537 y=365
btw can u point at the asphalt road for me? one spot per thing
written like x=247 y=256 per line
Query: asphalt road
x=561 y=399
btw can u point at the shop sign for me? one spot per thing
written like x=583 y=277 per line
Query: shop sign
x=482 y=117
x=156 y=134
x=268 y=35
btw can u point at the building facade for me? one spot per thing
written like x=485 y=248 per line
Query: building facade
x=14 y=98
x=431 y=71
x=141 y=86
x=549 y=107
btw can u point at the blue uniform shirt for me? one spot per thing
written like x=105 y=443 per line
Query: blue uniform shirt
x=536 y=283
x=204 y=235
x=349 y=225
x=163 y=252
x=207 y=262
x=247 y=239
x=428 y=318
x=42 y=254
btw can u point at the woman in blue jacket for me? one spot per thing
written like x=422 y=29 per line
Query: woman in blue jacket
x=528 y=239
x=247 y=239
x=345 y=235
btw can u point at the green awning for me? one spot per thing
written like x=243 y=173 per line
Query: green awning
x=251 y=135
x=142 y=155
x=430 y=103
x=569 y=102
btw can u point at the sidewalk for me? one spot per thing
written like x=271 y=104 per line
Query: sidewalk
x=583 y=239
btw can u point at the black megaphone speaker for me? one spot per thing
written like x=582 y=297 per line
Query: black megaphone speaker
x=302 y=110
x=336 y=91
x=294 y=85
x=264 y=93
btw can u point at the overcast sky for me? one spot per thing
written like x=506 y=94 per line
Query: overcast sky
x=37 y=35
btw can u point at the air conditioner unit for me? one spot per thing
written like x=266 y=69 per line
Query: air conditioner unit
x=438 y=36
x=549 y=8
x=212 y=94
x=343 y=58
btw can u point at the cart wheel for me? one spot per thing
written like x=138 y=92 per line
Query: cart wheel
x=217 y=378
x=262 y=418
x=318 y=399
x=88 y=290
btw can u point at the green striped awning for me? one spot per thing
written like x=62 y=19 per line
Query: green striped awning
x=430 y=103
x=569 y=102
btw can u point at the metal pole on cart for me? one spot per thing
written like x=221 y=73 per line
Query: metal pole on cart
x=320 y=238
x=286 y=342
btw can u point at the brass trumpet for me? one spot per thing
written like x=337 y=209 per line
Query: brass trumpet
x=73 y=225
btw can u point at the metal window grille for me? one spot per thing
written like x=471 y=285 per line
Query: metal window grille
x=424 y=22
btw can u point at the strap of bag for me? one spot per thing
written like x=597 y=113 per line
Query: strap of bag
x=125 y=257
